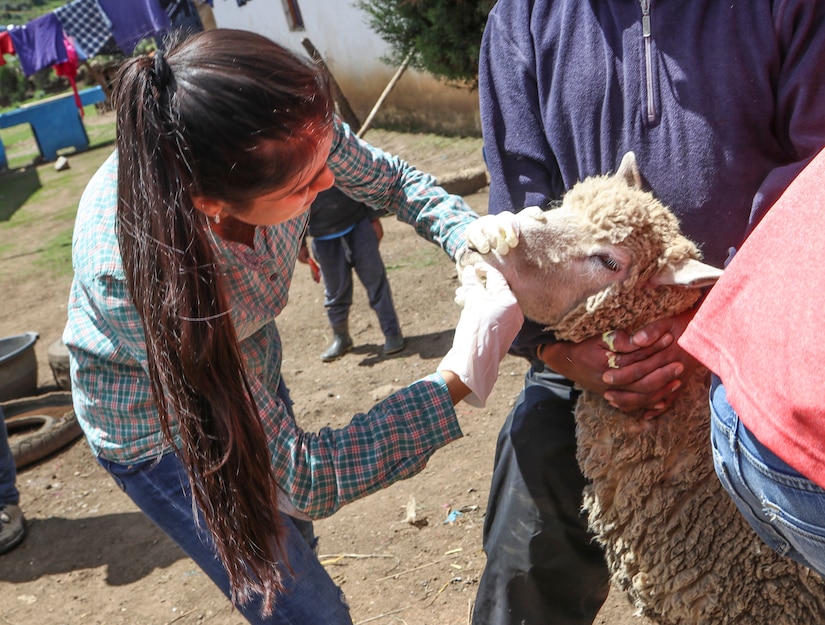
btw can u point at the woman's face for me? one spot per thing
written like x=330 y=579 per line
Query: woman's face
x=275 y=207
x=295 y=197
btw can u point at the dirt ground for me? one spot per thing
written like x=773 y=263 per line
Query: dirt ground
x=91 y=557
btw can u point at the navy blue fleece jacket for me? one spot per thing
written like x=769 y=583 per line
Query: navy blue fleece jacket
x=722 y=102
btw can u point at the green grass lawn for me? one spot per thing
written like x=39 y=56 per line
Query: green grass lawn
x=21 y=12
x=38 y=204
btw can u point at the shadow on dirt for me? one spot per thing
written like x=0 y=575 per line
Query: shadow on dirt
x=57 y=545
x=17 y=185
x=433 y=345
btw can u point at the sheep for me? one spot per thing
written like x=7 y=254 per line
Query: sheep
x=612 y=256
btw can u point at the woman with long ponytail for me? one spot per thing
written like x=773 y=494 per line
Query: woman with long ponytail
x=184 y=247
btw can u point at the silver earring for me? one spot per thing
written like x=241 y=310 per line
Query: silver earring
x=218 y=218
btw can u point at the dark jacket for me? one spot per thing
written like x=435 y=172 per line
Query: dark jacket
x=733 y=110
x=333 y=211
x=722 y=104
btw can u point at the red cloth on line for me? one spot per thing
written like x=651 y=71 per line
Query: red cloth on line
x=6 y=46
x=68 y=69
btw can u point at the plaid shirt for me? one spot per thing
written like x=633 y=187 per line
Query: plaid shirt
x=322 y=471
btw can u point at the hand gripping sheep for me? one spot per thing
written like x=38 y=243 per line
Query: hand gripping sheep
x=612 y=256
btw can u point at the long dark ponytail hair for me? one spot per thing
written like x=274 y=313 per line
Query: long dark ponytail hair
x=196 y=122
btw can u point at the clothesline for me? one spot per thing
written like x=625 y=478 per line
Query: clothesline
x=81 y=29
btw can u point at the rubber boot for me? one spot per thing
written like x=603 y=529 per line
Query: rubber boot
x=394 y=343
x=341 y=343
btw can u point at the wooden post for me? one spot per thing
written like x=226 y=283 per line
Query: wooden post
x=344 y=109
x=384 y=94
x=100 y=79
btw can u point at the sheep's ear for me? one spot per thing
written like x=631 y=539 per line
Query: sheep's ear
x=690 y=273
x=629 y=171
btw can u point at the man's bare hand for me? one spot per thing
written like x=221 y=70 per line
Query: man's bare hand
x=640 y=372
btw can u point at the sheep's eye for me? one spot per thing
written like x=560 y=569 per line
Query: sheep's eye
x=609 y=263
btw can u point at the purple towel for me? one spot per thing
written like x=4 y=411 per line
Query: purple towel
x=134 y=20
x=39 y=44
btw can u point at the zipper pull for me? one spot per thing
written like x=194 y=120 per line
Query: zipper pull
x=645 y=18
x=646 y=33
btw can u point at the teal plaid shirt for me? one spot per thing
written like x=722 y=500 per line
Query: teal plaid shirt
x=321 y=471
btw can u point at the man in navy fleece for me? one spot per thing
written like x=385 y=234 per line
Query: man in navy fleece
x=723 y=104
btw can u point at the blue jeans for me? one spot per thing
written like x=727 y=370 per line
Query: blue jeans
x=357 y=250
x=161 y=490
x=785 y=508
x=8 y=472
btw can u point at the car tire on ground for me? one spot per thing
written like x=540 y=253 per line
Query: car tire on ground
x=39 y=426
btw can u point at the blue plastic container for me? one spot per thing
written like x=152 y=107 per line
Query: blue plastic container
x=18 y=366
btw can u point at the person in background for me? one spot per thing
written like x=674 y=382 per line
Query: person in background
x=345 y=235
x=566 y=88
x=760 y=331
x=183 y=252
x=12 y=523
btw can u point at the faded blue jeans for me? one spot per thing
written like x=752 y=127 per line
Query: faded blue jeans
x=356 y=250
x=161 y=491
x=8 y=473
x=785 y=508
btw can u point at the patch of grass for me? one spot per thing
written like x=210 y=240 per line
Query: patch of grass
x=38 y=205
x=16 y=134
x=20 y=145
x=56 y=256
x=101 y=134
x=24 y=12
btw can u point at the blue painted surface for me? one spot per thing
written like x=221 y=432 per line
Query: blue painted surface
x=56 y=124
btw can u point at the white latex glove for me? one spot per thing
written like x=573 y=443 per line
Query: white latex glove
x=490 y=321
x=493 y=232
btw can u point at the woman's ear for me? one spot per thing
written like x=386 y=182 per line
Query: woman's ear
x=209 y=207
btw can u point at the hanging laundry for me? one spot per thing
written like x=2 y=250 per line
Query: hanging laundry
x=68 y=69
x=134 y=20
x=39 y=44
x=183 y=15
x=6 y=46
x=87 y=23
x=78 y=49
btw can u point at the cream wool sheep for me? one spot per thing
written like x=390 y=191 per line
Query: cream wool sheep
x=611 y=256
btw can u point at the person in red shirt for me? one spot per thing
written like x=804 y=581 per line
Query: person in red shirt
x=760 y=331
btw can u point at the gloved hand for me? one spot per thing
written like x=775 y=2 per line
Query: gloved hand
x=493 y=232
x=490 y=321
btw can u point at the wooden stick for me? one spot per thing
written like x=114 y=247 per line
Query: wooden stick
x=383 y=95
x=333 y=558
x=180 y=616
x=375 y=618
x=418 y=568
x=345 y=110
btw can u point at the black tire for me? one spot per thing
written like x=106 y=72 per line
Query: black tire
x=34 y=433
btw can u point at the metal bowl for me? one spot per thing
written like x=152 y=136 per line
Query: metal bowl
x=18 y=366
